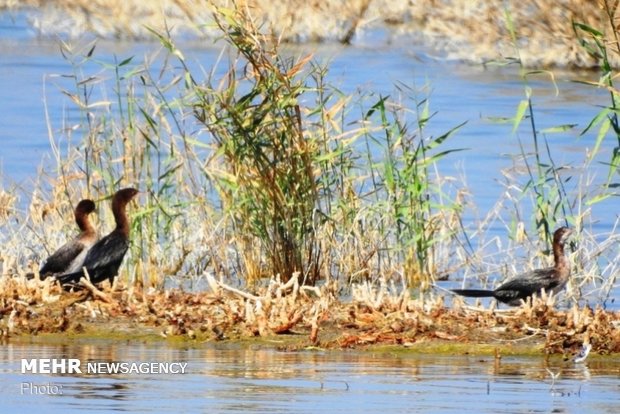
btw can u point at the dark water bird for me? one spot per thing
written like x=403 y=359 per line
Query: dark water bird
x=552 y=279
x=105 y=257
x=70 y=256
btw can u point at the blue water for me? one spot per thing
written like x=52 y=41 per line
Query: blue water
x=227 y=378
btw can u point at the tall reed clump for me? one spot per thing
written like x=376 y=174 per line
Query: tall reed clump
x=289 y=180
x=259 y=170
x=270 y=187
x=286 y=171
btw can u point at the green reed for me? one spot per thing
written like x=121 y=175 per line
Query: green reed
x=545 y=181
x=402 y=178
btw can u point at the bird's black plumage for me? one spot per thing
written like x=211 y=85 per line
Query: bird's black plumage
x=102 y=261
x=60 y=260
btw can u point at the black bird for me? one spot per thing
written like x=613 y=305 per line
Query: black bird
x=552 y=279
x=105 y=257
x=70 y=256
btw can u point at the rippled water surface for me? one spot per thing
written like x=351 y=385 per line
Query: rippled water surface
x=229 y=379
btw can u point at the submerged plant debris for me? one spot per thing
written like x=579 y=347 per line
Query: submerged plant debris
x=308 y=316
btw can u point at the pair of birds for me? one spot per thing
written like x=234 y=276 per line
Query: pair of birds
x=101 y=258
x=551 y=279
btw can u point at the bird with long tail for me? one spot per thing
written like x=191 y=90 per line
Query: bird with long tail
x=551 y=279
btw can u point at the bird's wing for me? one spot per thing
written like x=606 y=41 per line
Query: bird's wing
x=101 y=261
x=62 y=258
x=109 y=250
x=527 y=284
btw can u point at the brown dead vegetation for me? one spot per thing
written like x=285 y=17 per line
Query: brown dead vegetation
x=313 y=315
x=475 y=31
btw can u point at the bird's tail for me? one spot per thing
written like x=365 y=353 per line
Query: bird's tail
x=474 y=293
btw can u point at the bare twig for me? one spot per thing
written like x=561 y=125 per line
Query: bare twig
x=85 y=282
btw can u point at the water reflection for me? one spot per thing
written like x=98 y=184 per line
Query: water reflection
x=226 y=378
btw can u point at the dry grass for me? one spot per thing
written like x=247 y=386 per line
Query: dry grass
x=481 y=31
x=475 y=31
x=296 y=20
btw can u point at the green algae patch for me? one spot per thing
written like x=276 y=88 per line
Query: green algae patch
x=294 y=342
x=441 y=347
x=141 y=334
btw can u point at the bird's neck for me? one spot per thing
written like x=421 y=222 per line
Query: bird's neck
x=558 y=255
x=120 y=216
x=84 y=224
